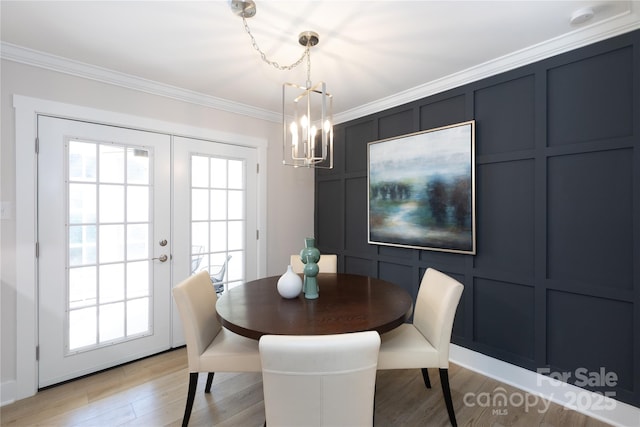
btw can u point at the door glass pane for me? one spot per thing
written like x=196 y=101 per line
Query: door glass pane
x=138 y=279
x=236 y=266
x=219 y=236
x=217 y=242
x=82 y=287
x=137 y=316
x=111 y=203
x=137 y=203
x=82 y=161
x=199 y=204
x=218 y=204
x=236 y=205
x=82 y=327
x=236 y=174
x=199 y=172
x=111 y=164
x=111 y=321
x=138 y=241
x=109 y=244
x=197 y=255
x=236 y=235
x=82 y=203
x=218 y=173
x=112 y=283
x=82 y=245
x=137 y=166
x=199 y=238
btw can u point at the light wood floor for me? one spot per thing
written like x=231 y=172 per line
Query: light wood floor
x=152 y=392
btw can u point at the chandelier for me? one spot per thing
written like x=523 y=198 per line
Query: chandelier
x=307 y=111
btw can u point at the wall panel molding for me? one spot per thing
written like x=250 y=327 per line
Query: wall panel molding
x=556 y=279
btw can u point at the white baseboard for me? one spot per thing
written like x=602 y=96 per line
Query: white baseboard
x=589 y=403
x=7 y=392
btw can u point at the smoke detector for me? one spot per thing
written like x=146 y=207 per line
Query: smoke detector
x=581 y=16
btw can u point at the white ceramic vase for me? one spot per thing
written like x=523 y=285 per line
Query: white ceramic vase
x=289 y=284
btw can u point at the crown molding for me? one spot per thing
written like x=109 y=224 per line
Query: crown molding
x=599 y=31
x=603 y=30
x=39 y=59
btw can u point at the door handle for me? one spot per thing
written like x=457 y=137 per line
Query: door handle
x=162 y=258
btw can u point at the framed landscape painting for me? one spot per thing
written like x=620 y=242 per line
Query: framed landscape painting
x=422 y=190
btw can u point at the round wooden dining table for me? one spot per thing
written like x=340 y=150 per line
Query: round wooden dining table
x=346 y=303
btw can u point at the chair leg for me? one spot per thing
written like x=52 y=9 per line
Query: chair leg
x=425 y=377
x=446 y=391
x=375 y=391
x=193 y=382
x=207 y=388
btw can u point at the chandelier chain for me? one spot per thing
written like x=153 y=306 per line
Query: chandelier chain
x=308 y=67
x=263 y=55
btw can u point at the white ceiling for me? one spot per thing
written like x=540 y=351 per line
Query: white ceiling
x=372 y=54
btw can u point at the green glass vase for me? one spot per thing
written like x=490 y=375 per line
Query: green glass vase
x=310 y=256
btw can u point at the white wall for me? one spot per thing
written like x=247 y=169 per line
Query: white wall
x=290 y=202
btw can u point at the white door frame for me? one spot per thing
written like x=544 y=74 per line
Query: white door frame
x=26 y=112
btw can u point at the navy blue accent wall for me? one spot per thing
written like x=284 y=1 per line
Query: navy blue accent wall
x=556 y=280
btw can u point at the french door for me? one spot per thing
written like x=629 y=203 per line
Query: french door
x=103 y=232
x=216 y=184
x=112 y=243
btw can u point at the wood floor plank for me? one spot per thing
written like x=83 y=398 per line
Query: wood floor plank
x=153 y=391
x=559 y=416
x=405 y=386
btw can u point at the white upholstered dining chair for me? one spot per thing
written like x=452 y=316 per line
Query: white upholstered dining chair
x=320 y=380
x=425 y=343
x=210 y=347
x=328 y=263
